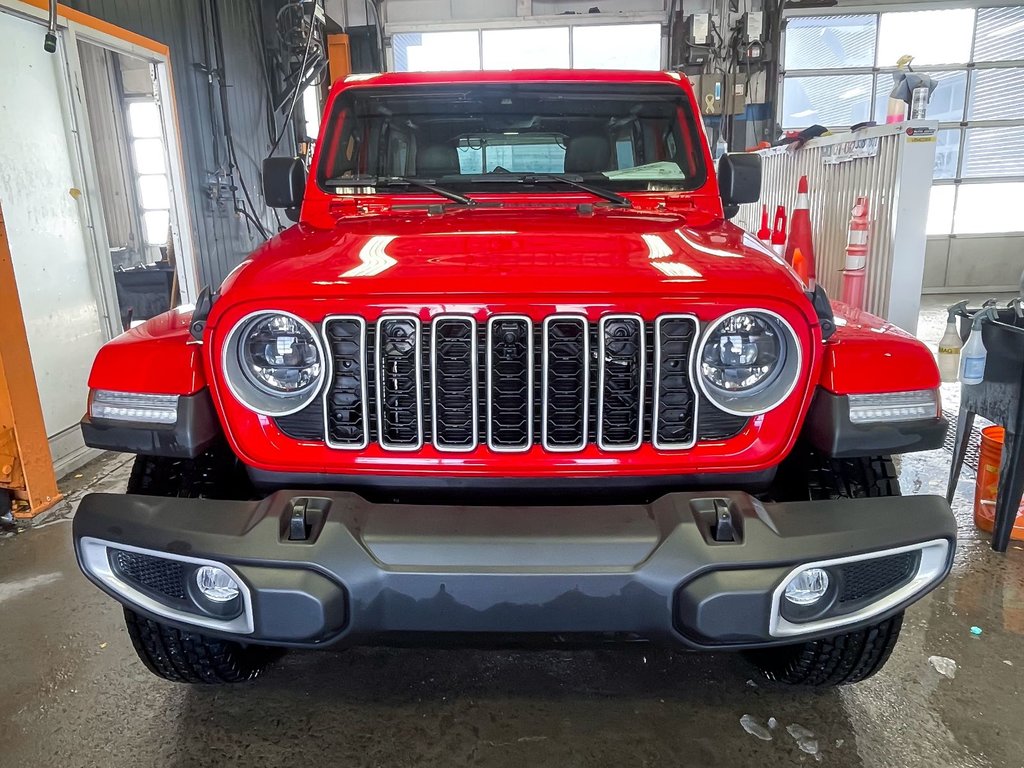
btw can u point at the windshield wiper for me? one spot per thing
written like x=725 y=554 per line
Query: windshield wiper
x=401 y=181
x=557 y=178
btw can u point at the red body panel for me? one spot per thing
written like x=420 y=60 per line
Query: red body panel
x=868 y=354
x=158 y=357
x=539 y=254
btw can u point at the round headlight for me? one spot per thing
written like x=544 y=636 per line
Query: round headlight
x=748 y=362
x=279 y=355
x=274 y=363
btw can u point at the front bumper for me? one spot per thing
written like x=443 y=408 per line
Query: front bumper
x=369 y=573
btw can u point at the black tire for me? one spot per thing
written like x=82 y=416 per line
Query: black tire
x=179 y=655
x=188 y=657
x=838 y=660
x=216 y=474
x=853 y=656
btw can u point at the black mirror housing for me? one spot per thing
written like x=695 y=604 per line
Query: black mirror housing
x=284 y=182
x=739 y=180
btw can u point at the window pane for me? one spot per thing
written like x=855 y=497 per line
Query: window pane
x=931 y=37
x=436 y=51
x=947 y=152
x=988 y=208
x=156 y=223
x=994 y=152
x=526 y=158
x=471 y=159
x=149 y=155
x=826 y=42
x=1000 y=34
x=995 y=95
x=947 y=101
x=940 y=210
x=153 y=192
x=618 y=46
x=144 y=119
x=834 y=100
x=526 y=48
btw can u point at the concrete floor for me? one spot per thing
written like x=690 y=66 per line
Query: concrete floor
x=73 y=693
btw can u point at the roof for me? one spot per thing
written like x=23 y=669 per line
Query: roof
x=513 y=76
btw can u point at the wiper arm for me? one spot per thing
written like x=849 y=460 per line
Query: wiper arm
x=607 y=194
x=402 y=181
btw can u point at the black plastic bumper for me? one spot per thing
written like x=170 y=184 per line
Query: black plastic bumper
x=368 y=572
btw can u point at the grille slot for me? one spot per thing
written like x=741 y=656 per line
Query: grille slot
x=154 y=574
x=346 y=420
x=565 y=373
x=866 y=580
x=620 y=393
x=564 y=384
x=399 y=383
x=509 y=383
x=675 y=408
x=453 y=377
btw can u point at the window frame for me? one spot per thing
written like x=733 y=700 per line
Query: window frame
x=970 y=68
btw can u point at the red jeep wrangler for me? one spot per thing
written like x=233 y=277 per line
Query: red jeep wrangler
x=514 y=375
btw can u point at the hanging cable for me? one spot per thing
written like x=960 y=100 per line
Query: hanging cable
x=298 y=85
x=218 y=41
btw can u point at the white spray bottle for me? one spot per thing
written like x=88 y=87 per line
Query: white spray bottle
x=950 y=346
x=974 y=354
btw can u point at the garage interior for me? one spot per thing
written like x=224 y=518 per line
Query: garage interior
x=131 y=177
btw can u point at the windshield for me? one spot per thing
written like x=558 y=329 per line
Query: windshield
x=626 y=138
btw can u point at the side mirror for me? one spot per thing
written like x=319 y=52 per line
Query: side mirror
x=739 y=180
x=284 y=182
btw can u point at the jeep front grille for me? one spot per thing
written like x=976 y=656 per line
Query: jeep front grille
x=511 y=383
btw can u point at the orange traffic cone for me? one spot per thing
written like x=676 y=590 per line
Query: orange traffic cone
x=800 y=266
x=800 y=233
x=778 y=238
x=764 y=234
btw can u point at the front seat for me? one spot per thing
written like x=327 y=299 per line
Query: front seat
x=590 y=153
x=437 y=160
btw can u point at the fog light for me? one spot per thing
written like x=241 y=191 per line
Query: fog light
x=807 y=587
x=215 y=584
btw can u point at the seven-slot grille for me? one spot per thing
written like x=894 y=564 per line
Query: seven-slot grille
x=565 y=383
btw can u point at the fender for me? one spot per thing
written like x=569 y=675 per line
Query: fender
x=867 y=354
x=158 y=357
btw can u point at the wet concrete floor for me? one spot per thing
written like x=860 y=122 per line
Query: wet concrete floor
x=72 y=692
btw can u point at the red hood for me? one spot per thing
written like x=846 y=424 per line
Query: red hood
x=480 y=253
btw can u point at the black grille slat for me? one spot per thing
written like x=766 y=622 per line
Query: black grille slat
x=865 y=580
x=621 y=390
x=566 y=383
x=453 y=371
x=674 y=405
x=154 y=574
x=510 y=383
x=399 y=383
x=346 y=419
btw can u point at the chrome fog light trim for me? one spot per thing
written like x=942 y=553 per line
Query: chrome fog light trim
x=94 y=557
x=930 y=568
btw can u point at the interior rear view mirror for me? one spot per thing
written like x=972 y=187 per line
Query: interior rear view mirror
x=739 y=180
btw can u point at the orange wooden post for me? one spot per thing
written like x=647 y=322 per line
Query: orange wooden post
x=26 y=469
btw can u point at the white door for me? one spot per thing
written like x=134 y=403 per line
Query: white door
x=54 y=263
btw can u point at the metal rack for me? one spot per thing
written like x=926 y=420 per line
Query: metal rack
x=1000 y=399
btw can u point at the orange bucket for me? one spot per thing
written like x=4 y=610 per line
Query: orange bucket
x=988 y=484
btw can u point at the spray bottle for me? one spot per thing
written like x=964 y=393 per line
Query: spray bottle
x=974 y=354
x=951 y=344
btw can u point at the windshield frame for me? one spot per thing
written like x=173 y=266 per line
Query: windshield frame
x=688 y=123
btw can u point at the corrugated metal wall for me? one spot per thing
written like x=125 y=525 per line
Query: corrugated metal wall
x=222 y=237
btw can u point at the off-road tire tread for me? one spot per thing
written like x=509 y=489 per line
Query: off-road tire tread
x=188 y=657
x=860 y=478
x=838 y=660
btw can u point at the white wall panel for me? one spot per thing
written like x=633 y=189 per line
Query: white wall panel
x=43 y=211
